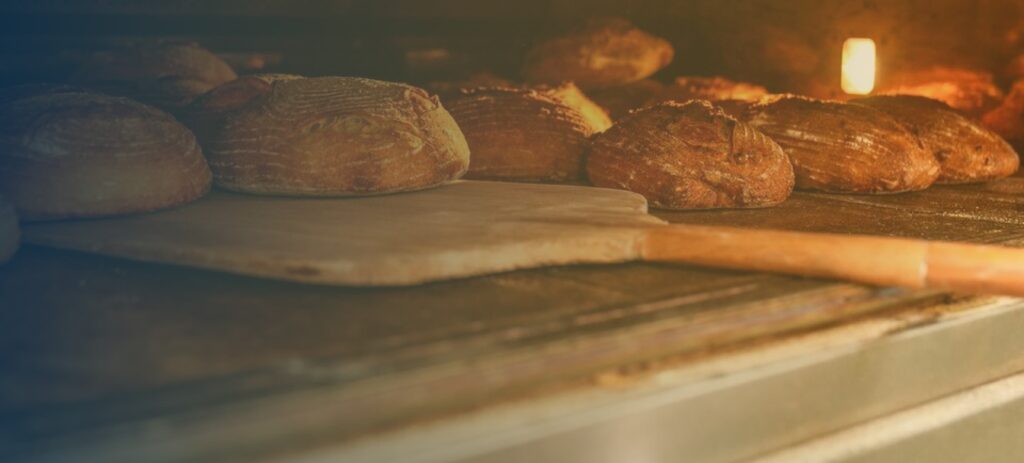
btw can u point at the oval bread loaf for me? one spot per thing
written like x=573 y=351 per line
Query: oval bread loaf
x=67 y=155
x=167 y=75
x=338 y=136
x=521 y=135
x=690 y=156
x=966 y=151
x=9 y=234
x=848 y=148
x=602 y=53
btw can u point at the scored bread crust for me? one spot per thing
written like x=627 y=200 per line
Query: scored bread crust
x=167 y=75
x=9 y=233
x=602 y=53
x=521 y=135
x=68 y=155
x=690 y=156
x=966 y=151
x=338 y=136
x=846 y=148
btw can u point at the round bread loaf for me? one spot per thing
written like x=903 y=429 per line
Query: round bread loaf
x=9 y=235
x=66 y=155
x=166 y=75
x=521 y=135
x=966 y=151
x=840 y=147
x=571 y=95
x=337 y=136
x=602 y=53
x=690 y=156
x=208 y=112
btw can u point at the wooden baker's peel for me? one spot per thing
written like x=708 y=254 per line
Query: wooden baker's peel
x=472 y=228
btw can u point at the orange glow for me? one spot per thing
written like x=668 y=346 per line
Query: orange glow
x=858 y=66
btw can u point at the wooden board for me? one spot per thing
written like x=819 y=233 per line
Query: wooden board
x=94 y=347
x=462 y=229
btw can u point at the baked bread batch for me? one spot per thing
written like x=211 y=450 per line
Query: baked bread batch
x=586 y=108
x=845 y=148
x=690 y=156
x=337 y=136
x=69 y=154
x=521 y=135
x=967 y=152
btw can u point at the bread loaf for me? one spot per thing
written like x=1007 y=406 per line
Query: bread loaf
x=602 y=53
x=690 y=156
x=67 y=155
x=521 y=135
x=966 y=151
x=167 y=75
x=337 y=136
x=840 y=147
x=9 y=235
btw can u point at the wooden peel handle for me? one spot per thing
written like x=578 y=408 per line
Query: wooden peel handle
x=866 y=259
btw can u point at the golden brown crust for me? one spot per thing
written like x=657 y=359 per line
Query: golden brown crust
x=570 y=95
x=518 y=134
x=67 y=155
x=9 y=234
x=970 y=91
x=338 y=136
x=841 y=147
x=1008 y=118
x=167 y=75
x=602 y=53
x=966 y=151
x=690 y=156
